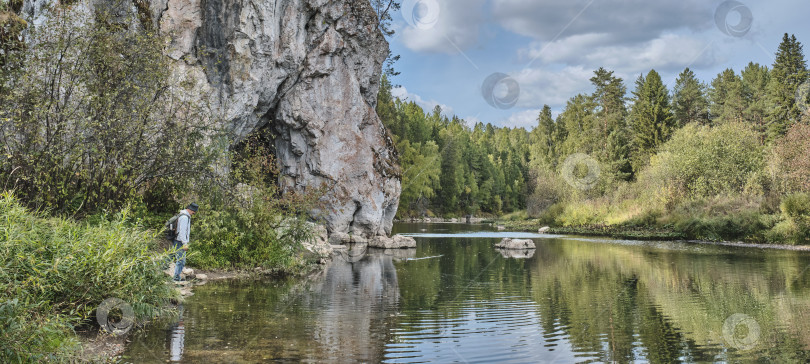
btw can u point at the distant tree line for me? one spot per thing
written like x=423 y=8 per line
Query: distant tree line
x=452 y=168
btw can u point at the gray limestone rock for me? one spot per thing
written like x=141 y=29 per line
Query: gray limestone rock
x=309 y=72
x=395 y=242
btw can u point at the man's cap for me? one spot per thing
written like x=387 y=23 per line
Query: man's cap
x=193 y=207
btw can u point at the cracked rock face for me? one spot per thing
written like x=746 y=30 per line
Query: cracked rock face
x=308 y=70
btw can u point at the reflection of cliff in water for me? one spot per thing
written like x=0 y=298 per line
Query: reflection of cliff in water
x=360 y=298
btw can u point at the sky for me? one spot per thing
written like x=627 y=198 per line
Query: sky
x=500 y=61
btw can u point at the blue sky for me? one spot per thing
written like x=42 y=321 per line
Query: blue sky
x=550 y=49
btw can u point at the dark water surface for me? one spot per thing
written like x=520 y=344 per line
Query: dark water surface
x=457 y=299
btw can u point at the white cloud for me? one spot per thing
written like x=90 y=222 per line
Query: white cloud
x=523 y=119
x=624 y=20
x=668 y=52
x=553 y=87
x=426 y=105
x=457 y=27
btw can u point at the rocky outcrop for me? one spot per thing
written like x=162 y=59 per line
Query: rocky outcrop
x=319 y=243
x=517 y=244
x=307 y=72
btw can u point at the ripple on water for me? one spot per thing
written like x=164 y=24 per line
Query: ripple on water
x=502 y=329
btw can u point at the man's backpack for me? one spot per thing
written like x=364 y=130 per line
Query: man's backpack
x=170 y=227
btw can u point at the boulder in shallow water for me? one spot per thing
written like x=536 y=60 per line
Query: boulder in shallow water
x=394 y=242
x=543 y=229
x=338 y=238
x=508 y=243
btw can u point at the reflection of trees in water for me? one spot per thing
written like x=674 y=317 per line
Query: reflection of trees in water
x=625 y=302
x=667 y=305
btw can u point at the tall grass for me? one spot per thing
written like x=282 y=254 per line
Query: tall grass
x=55 y=272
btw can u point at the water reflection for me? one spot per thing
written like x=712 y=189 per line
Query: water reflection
x=516 y=253
x=177 y=337
x=361 y=295
x=457 y=299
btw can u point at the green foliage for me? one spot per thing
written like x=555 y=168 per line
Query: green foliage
x=702 y=161
x=727 y=97
x=795 y=225
x=421 y=178
x=54 y=273
x=651 y=118
x=94 y=115
x=789 y=160
x=689 y=101
x=244 y=223
x=788 y=73
x=549 y=189
x=449 y=167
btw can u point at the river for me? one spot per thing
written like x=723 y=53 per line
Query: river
x=455 y=298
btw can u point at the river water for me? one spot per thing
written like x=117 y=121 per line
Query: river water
x=455 y=298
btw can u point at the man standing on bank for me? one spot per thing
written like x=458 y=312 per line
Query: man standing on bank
x=181 y=241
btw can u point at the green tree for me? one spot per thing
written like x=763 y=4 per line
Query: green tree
x=651 y=118
x=420 y=178
x=689 y=102
x=610 y=118
x=727 y=97
x=94 y=116
x=789 y=71
x=755 y=80
x=543 y=152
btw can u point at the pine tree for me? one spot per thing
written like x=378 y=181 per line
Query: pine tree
x=543 y=154
x=755 y=92
x=788 y=73
x=651 y=118
x=689 y=101
x=610 y=116
x=727 y=97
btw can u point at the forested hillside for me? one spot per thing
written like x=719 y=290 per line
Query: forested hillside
x=734 y=148
x=450 y=168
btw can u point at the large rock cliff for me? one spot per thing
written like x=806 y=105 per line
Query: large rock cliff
x=308 y=71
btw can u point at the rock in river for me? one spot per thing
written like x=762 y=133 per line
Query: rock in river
x=395 y=242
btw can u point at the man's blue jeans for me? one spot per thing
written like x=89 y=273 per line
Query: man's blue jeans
x=180 y=257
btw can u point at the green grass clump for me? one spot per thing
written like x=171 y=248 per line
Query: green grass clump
x=55 y=272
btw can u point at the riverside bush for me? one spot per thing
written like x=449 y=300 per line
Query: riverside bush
x=794 y=227
x=92 y=115
x=702 y=161
x=55 y=272
x=244 y=222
